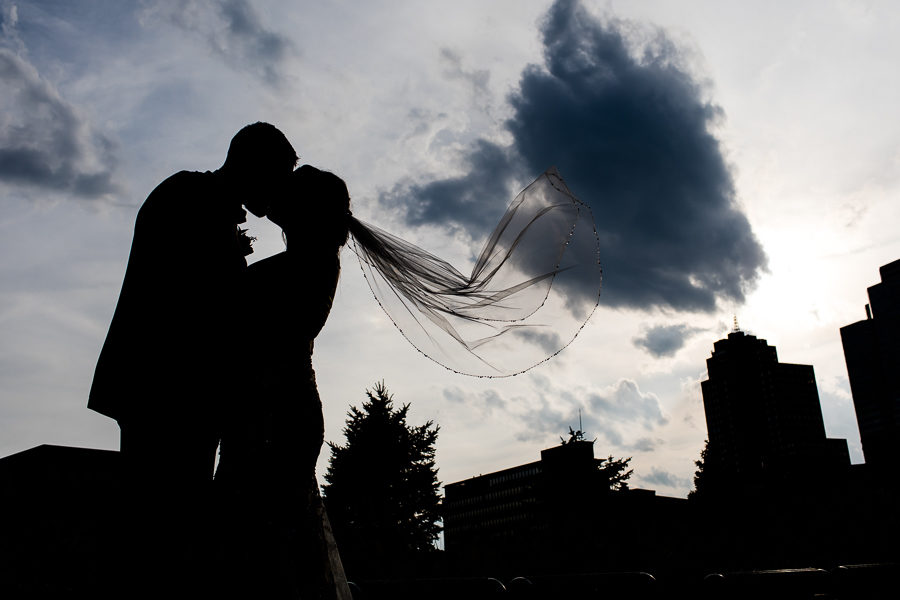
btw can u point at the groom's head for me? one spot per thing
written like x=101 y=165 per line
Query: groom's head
x=260 y=159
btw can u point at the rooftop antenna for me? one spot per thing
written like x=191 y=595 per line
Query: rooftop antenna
x=736 y=327
x=580 y=426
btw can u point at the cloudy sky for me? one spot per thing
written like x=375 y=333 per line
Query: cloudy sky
x=740 y=159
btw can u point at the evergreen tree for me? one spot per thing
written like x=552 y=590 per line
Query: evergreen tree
x=614 y=469
x=702 y=475
x=382 y=490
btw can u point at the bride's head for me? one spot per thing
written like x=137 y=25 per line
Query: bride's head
x=316 y=209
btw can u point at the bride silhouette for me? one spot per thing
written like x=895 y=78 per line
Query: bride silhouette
x=270 y=442
x=533 y=287
x=289 y=298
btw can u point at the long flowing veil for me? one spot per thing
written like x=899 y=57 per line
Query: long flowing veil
x=532 y=289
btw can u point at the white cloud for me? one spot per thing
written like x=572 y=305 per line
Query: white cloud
x=233 y=30
x=619 y=415
x=662 y=478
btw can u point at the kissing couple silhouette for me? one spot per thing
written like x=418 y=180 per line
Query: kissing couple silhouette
x=180 y=383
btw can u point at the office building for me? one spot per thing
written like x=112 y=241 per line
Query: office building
x=557 y=515
x=872 y=354
x=763 y=417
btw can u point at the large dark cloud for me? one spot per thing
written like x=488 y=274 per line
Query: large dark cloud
x=45 y=142
x=234 y=30
x=630 y=131
x=664 y=340
x=469 y=202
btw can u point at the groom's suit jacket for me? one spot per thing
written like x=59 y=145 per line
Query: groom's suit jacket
x=170 y=346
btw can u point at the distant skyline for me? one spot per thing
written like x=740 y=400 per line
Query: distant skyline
x=740 y=159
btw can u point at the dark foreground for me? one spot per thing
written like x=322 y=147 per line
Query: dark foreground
x=862 y=582
x=58 y=539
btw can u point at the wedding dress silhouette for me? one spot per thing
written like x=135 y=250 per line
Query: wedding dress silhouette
x=272 y=438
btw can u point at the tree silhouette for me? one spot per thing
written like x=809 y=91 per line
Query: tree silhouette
x=702 y=475
x=382 y=490
x=614 y=470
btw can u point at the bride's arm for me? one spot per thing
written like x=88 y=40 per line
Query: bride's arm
x=323 y=286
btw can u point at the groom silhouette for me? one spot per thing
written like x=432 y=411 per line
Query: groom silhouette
x=170 y=363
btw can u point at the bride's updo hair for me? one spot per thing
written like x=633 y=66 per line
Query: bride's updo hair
x=317 y=209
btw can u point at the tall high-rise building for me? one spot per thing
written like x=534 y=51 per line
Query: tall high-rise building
x=872 y=353
x=763 y=417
